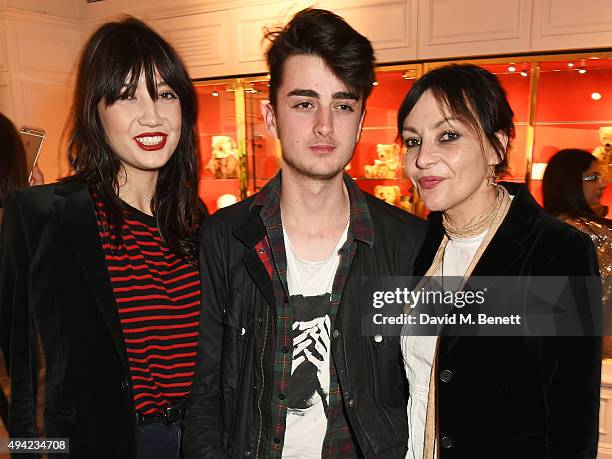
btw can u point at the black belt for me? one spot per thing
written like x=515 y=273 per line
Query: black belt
x=170 y=414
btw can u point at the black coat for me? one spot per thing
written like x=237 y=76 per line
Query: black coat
x=223 y=416
x=54 y=281
x=520 y=397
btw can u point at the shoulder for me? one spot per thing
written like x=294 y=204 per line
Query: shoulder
x=224 y=221
x=231 y=216
x=33 y=197
x=555 y=229
x=38 y=202
x=384 y=214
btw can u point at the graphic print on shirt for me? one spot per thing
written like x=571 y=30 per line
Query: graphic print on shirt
x=310 y=367
x=310 y=285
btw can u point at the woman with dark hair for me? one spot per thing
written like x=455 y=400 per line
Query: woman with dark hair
x=13 y=173
x=102 y=266
x=573 y=184
x=13 y=168
x=492 y=397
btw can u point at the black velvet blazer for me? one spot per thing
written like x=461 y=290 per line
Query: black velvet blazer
x=519 y=397
x=54 y=281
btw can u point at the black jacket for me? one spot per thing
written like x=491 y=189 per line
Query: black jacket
x=54 y=281
x=519 y=397
x=223 y=416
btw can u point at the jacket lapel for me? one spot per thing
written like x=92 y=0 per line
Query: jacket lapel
x=77 y=219
x=507 y=247
x=250 y=233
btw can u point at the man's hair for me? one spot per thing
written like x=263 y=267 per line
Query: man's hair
x=474 y=96
x=321 y=33
x=111 y=63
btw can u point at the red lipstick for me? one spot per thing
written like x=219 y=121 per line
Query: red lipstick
x=151 y=141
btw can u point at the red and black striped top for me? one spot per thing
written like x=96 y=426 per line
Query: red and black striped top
x=158 y=300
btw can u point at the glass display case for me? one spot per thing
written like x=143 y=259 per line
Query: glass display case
x=559 y=101
x=573 y=110
x=218 y=139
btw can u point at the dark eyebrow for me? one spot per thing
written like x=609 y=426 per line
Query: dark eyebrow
x=304 y=93
x=345 y=95
x=315 y=94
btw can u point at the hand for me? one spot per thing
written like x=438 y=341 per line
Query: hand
x=37 y=177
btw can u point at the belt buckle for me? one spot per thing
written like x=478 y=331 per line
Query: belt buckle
x=172 y=412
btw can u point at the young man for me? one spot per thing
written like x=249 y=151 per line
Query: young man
x=283 y=368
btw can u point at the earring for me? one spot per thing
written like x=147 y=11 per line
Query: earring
x=492 y=178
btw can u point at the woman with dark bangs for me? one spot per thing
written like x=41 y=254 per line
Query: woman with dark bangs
x=102 y=265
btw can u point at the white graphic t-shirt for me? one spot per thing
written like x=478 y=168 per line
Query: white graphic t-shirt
x=310 y=285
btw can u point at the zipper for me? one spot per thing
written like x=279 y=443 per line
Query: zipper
x=263 y=379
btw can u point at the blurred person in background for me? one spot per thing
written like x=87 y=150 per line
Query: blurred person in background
x=103 y=265
x=573 y=184
x=13 y=167
x=13 y=175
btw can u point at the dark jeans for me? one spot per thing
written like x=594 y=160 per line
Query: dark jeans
x=159 y=441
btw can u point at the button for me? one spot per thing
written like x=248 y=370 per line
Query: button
x=285 y=349
x=247 y=453
x=277 y=440
x=351 y=403
x=260 y=319
x=281 y=396
x=336 y=333
x=261 y=252
x=446 y=375
x=125 y=385
x=447 y=442
x=242 y=331
x=378 y=338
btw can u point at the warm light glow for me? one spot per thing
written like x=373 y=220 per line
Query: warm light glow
x=511 y=69
x=537 y=171
x=582 y=71
x=214 y=94
x=375 y=83
x=524 y=74
x=570 y=64
x=595 y=96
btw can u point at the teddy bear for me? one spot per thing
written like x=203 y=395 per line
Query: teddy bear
x=387 y=164
x=405 y=203
x=223 y=161
x=604 y=151
x=388 y=193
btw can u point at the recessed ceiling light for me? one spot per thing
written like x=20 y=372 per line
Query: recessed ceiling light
x=596 y=96
x=524 y=74
x=375 y=83
x=582 y=71
x=214 y=94
x=511 y=69
x=570 y=64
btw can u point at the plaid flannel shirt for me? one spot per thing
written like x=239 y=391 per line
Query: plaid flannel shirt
x=338 y=442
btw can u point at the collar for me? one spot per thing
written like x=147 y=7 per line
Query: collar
x=361 y=227
x=510 y=237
